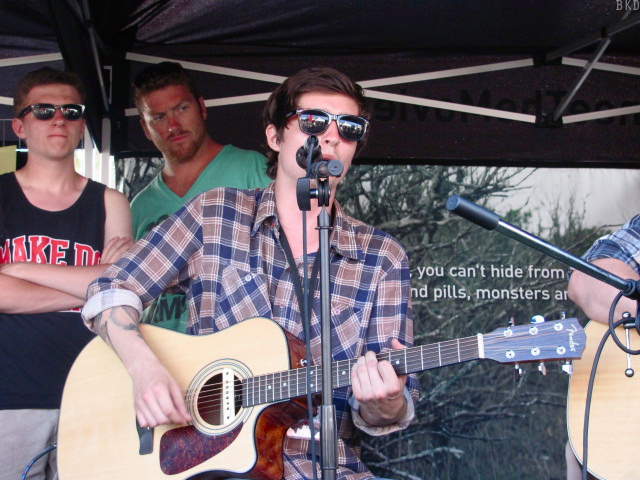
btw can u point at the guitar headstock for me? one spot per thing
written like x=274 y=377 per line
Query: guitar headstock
x=551 y=340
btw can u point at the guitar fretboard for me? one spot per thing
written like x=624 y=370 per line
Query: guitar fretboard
x=279 y=386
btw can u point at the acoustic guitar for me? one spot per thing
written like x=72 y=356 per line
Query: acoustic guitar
x=241 y=384
x=614 y=424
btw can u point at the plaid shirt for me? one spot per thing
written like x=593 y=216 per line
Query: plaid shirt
x=623 y=245
x=223 y=251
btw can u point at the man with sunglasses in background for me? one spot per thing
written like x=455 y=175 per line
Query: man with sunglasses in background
x=58 y=231
x=173 y=115
x=238 y=254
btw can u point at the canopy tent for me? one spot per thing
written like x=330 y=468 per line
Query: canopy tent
x=463 y=82
x=495 y=82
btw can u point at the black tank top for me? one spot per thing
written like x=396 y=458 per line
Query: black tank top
x=37 y=350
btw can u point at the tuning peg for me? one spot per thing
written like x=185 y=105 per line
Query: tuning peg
x=542 y=368
x=537 y=319
x=517 y=373
x=567 y=368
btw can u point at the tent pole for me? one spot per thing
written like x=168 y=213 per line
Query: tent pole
x=94 y=53
x=105 y=151
x=594 y=37
x=580 y=80
x=607 y=33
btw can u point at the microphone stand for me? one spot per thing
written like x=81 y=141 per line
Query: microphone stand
x=491 y=221
x=321 y=171
x=629 y=288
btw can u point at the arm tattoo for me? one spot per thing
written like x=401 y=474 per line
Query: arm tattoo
x=101 y=322
x=100 y=327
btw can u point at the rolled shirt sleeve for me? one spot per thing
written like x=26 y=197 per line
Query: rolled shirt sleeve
x=166 y=258
x=623 y=245
x=376 y=431
x=109 y=299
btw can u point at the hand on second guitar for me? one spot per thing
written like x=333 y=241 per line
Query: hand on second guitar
x=378 y=389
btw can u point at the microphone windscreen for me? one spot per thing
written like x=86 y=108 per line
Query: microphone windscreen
x=303 y=152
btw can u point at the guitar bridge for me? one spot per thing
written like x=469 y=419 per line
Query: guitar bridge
x=228 y=406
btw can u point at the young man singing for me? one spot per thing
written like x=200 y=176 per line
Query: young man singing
x=227 y=250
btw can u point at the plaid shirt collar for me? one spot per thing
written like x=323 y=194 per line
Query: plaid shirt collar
x=343 y=235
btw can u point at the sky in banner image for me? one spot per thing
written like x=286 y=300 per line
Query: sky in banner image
x=609 y=195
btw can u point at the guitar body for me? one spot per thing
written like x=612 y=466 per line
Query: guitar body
x=244 y=387
x=613 y=422
x=98 y=436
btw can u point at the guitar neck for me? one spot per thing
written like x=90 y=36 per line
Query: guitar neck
x=279 y=386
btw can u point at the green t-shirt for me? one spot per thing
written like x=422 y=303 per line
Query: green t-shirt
x=232 y=167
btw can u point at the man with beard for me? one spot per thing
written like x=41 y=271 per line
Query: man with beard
x=173 y=115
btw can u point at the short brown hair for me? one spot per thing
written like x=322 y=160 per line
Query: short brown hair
x=284 y=99
x=45 y=76
x=160 y=75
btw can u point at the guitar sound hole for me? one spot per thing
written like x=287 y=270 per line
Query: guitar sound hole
x=219 y=402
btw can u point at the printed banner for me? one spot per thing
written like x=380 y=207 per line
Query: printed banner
x=467 y=280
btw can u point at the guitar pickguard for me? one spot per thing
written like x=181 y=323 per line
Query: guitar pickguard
x=184 y=448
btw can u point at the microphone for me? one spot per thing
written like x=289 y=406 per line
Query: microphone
x=326 y=169
x=310 y=145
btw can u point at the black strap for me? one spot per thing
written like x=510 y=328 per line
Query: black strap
x=306 y=320
x=295 y=276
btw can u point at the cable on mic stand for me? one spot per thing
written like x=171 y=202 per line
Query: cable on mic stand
x=320 y=171
x=305 y=156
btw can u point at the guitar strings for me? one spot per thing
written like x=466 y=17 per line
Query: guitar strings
x=414 y=359
x=262 y=386
x=447 y=353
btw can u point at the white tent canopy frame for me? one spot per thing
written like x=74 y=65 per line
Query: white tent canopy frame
x=425 y=102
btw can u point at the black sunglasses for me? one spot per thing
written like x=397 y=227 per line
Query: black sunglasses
x=46 y=111
x=314 y=122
